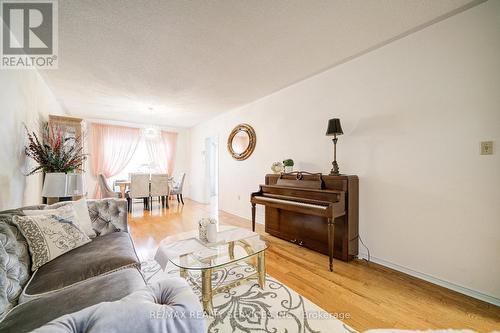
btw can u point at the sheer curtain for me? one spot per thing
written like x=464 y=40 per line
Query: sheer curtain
x=112 y=149
x=162 y=151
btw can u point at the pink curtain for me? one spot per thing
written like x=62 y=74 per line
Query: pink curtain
x=170 y=146
x=162 y=152
x=112 y=149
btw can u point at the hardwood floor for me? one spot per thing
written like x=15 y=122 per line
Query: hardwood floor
x=366 y=294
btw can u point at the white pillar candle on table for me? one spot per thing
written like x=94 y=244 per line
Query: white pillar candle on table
x=212 y=233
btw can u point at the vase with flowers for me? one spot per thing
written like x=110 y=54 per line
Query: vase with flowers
x=53 y=152
x=60 y=159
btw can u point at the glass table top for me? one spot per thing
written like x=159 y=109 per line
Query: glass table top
x=186 y=251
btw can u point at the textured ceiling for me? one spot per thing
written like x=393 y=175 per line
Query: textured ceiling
x=191 y=60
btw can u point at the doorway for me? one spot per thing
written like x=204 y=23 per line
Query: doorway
x=212 y=171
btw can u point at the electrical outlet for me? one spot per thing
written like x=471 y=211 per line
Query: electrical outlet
x=486 y=147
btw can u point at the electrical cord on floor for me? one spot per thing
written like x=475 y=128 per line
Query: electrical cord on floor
x=366 y=247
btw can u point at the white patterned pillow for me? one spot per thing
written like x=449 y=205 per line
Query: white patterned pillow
x=50 y=235
x=82 y=221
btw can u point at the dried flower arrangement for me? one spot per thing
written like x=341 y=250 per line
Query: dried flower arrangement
x=54 y=152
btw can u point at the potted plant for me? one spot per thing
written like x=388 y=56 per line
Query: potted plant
x=54 y=152
x=288 y=164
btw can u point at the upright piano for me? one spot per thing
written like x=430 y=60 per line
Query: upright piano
x=316 y=211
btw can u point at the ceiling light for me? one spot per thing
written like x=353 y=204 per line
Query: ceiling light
x=151 y=132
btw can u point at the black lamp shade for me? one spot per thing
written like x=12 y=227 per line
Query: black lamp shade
x=334 y=127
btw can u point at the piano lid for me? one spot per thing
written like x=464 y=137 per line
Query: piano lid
x=301 y=179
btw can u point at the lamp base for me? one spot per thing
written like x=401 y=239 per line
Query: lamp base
x=53 y=200
x=335 y=169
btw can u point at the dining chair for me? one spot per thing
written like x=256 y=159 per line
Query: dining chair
x=106 y=191
x=160 y=188
x=177 y=188
x=138 y=189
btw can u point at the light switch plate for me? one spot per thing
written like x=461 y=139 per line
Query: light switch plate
x=486 y=147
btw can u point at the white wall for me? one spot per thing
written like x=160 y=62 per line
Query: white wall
x=413 y=114
x=181 y=160
x=24 y=98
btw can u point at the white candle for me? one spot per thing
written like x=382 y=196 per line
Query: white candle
x=212 y=233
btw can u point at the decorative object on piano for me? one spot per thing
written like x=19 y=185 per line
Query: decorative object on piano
x=334 y=129
x=288 y=164
x=277 y=167
x=241 y=142
x=312 y=210
x=203 y=226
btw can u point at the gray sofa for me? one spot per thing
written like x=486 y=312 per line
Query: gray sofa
x=105 y=270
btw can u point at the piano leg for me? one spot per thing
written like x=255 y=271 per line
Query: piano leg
x=253 y=217
x=331 y=228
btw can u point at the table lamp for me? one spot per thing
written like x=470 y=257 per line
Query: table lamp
x=334 y=129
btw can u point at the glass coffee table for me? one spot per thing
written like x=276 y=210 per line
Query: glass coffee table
x=233 y=245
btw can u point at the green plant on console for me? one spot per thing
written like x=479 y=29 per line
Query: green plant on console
x=288 y=162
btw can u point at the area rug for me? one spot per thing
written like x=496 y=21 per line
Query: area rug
x=247 y=308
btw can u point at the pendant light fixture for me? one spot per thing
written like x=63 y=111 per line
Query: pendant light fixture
x=151 y=132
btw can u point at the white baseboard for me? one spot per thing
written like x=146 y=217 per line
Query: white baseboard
x=432 y=279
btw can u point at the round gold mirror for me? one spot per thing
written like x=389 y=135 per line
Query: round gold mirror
x=241 y=142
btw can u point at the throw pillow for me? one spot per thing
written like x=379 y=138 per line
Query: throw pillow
x=81 y=210
x=50 y=235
